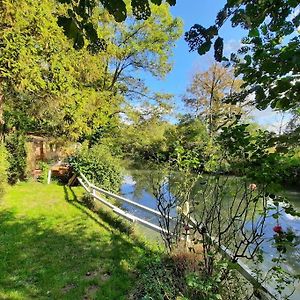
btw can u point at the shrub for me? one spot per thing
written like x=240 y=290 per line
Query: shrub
x=3 y=169
x=157 y=281
x=15 y=145
x=290 y=173
x=44 y=167
x=30 y=159
x=99 y=166
x=180 y=276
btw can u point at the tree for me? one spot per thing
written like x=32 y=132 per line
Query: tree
x=77 y=23
x=43 y=76
x=269 y=59
x=206 y=93
x=142 y=135
x=269 y=66
x=36 y=65
x=135 y=46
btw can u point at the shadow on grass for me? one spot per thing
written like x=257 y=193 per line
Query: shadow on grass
x=42 y=259
x=114 y=222
x=86 y=209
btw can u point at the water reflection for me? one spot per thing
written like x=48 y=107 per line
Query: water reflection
x=139 y=186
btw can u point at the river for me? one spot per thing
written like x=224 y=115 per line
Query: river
x=138 y=186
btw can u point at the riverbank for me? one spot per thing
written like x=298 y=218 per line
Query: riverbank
x=137 y=187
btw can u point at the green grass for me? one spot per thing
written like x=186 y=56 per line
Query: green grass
x=54 y=247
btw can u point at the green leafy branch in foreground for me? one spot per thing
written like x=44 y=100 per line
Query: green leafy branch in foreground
x=77 y=25
x=270 y=51
x=269 y=57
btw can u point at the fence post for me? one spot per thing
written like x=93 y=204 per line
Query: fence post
x=186 y=213
x=49 y=176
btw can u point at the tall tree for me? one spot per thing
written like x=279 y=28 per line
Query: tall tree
x=206 y=93
x=269 y=58
x=35 y=62
x=49 y=86
x=77 y=22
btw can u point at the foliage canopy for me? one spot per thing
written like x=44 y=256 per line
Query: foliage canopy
x=269 y=58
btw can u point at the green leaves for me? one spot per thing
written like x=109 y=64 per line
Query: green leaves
x=253 y=32
x=249 y=153
x=264 y=58
x=171 y=2
x=81 y=12
x=218 y=46
x=69 y=26
x=78 y=30
x=141 y=9
x=91 y=32
x=205 y=47
x=15 y=145
x=157 y=2
x=117 y=8
x=72 y=31
x=201 y=38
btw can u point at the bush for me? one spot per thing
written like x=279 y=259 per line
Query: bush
x=44 y=167
x=15 y=145
x=290 y=173
x=3 y=169
x=157 y=282
x=180 y=276
x=99 y=166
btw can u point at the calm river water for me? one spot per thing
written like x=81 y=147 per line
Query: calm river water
x=137 y=186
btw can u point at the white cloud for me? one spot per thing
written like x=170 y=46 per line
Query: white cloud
x=271 y=120
x=232 y=46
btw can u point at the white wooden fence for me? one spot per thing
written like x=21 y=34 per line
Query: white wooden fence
x=265 y=292
x=96 y=193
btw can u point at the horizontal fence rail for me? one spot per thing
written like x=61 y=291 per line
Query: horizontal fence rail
x=92 y=190
x=265 y=292
x=120 y=198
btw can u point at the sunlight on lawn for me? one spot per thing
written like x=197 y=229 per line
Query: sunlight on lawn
x=53 y=247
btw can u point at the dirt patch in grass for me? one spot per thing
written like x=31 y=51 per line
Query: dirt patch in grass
x=68 y=287
x=91 y=292
x=98 y=274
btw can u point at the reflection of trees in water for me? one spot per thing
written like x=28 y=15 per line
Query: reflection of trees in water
x=230 y=197
x=201 y=190
x=146 y=181
x=227 y=196
x=293 y=195
x=230 y=209
x=293 y=257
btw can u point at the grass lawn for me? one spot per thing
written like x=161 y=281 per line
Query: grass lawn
x=54 y=247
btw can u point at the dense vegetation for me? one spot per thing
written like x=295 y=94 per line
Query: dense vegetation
x=99 y=166
x=71 y=74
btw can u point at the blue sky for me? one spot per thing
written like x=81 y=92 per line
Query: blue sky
x=185 y=63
